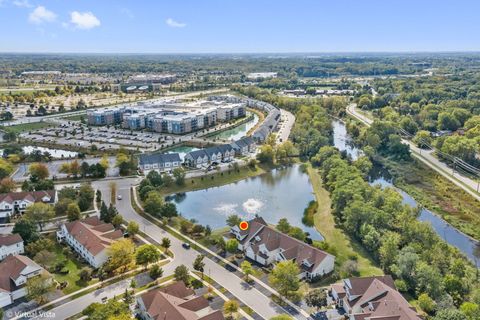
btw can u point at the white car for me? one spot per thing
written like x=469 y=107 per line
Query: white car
x=119 y=197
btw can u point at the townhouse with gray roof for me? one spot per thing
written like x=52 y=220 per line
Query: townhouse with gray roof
x=161 y=162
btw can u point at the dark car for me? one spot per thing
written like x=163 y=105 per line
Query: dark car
x=186 y=245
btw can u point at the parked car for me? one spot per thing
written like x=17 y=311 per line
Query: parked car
x=186 y=245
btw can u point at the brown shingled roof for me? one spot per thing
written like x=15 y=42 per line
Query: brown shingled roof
x=293 y=249
x=11 y=268
x=33 y=196
x=93 y=234
x=177 y=302
x=9 y=239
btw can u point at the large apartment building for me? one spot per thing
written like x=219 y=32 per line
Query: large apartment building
x=168 y=117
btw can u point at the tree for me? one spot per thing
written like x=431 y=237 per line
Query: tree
x=246 y=269
x=155 y=272
x=104 y=162
x=284 y=278
x=44 y=258
x=112 y=310
x=422 y=139
x=117 y=221
x=428 y=280
x=450 y=314
x=154 y=178
x=39 y=213
x=471 y=310
x=198 y=264
x=179 y=175
x=86 y=195
x=230 y=307
x=121 y=254
x=266 y=154
x=284 y=226
x=38 y=288
x=181 y=274
x=62 y=205
x=27 y=230
x=73 y=212
x=38 y=171
x=153 y=203
x=41 y=244
x=426 y=303
x=6 y=168
x=316 y=298
x=166 y=243
x=169 y=210
x=231 y=246
x=147 y=254
x=233 y=220
x=133 y=228
x=85 y=274
x=7 y=185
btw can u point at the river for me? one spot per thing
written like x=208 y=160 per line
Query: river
x=238 y=132
x=380 y=176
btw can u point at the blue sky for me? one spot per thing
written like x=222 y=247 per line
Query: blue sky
x=223 y=26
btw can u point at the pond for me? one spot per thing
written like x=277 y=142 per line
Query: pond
x=269 y=195
x=237 y=132
x=380 y=176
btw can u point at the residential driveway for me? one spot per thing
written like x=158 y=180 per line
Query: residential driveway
x=249 y=295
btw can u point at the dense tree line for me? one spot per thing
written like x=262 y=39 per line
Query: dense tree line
x=421 y=262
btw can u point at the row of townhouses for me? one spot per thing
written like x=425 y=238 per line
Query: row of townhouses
x=267 y=246
x=17 y=202
x=166 y=162
x=271 y=120
x=90 y=238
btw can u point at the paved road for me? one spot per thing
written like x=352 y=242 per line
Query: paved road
x=76 y=306
x=252 y=297
x=285 y=127
x=427 y=158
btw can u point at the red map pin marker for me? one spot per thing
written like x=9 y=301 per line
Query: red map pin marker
x=243 y=225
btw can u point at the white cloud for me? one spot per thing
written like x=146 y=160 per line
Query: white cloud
x=175 y=24
x=84 y=20
x=22 y=4
x=41 y=14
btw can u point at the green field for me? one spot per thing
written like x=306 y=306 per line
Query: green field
x=25 y=127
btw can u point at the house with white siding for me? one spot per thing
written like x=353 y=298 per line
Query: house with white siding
x=10 y=245
x=15 y=271
x=161 y=162
x=203 y=157
x=90 y=238
x=268 y=246
x=17 y=202
x=244 y=146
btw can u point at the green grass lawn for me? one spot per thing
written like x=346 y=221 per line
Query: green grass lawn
x=77 y=117
x=72 y=277
x=29 y=127
x=344 y=245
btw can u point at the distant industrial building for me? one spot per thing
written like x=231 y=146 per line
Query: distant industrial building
x=261 y=75
x=144 y=83
x=168 y=117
